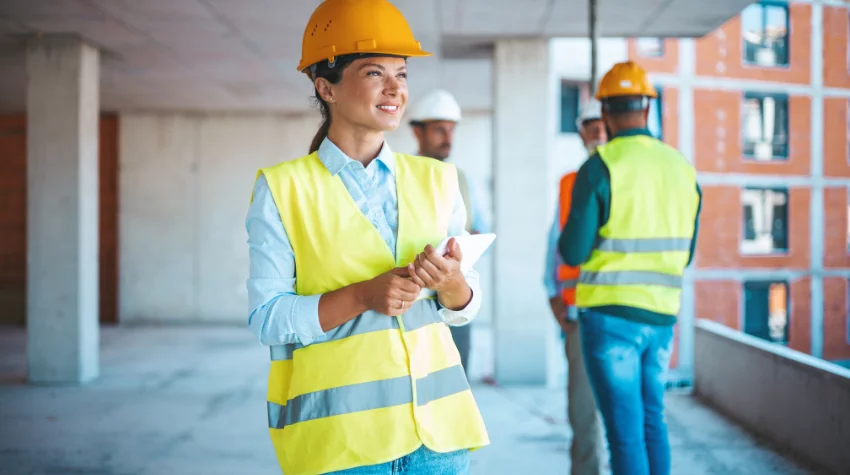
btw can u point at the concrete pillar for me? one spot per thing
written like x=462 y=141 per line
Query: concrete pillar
x=62 y=211
x=524 y=99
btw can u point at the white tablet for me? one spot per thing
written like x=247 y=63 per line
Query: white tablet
x=472 y=247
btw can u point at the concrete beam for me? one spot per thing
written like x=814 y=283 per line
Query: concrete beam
x=62 y=211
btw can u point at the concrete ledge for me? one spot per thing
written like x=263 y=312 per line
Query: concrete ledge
x=798 y=402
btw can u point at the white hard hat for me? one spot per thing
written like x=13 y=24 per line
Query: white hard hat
x=590 y=110
x=438 y=104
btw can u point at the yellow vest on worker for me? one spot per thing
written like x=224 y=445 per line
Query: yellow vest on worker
x=642 y=251
x=379 y=387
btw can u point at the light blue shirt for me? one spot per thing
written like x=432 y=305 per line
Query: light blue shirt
x=480 y=220
x=553 y=257
x=277 y=314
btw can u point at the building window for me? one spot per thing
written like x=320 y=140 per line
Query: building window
x=570 y=97
x=650 y=47
x=766 y=310
x=765 y=221
x=656 y=115
x=765 y=33
x=765 y=126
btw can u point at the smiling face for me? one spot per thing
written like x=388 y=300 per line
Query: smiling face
x=371 y=96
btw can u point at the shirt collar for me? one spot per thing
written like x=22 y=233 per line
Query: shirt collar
x=632 y=133
x=335 y=159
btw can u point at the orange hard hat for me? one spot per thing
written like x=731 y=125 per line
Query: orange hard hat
x=625 y=79
x=340 y=27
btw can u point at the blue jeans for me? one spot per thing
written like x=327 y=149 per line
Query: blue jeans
x=421 y=462
x=627 y=364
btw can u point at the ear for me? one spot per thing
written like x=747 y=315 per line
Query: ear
x=418 y=132
x=325 y=89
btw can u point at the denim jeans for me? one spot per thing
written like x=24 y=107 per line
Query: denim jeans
x=627 y=364
x=421 y=462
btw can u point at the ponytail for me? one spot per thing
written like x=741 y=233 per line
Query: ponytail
x=322 y=133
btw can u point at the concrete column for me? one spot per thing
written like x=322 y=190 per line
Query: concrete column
x=524 y=98
x=62 y=211
x=816 y=210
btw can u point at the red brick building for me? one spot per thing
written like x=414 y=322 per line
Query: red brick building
x=761 y=107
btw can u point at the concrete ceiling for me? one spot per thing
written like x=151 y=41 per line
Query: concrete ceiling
x=241 y=54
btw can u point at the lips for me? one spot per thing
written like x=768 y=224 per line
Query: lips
x=389 y=108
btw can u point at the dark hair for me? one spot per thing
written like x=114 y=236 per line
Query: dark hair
x=625 y=104
x=333 y=74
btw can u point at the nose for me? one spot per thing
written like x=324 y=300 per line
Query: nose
x=392 y=86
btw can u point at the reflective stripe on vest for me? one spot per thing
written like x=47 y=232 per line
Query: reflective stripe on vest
x=630 y=277
x=377 y=387
x=642 y=250
x=367 y=396
x=569 y=283
x=644 y=245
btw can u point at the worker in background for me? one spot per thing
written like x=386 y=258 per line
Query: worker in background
x=364 y=376
x=433 y=121
x=632 y=228
x=587 y=452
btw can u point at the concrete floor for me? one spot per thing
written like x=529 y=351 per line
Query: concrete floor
x=186 y=400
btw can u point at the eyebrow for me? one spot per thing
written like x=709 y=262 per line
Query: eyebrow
x=366 y=65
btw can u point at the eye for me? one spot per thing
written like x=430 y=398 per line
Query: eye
x=373 y=72
x=402 y=75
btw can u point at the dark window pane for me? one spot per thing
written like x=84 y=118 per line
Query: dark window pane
x=766 y=310
x=569 y=107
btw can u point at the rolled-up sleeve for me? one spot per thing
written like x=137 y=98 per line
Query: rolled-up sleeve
x=277 y=315
x=457 y=225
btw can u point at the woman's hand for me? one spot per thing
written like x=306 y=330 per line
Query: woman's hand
x=391 y=293
x=443 y=275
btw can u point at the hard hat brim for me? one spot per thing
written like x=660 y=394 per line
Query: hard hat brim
x=651 y=94
x=400 y=52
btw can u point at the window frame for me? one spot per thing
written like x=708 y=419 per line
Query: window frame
x=569 y=126
x=788 y=314
x=661 y=48
x=787 y=219
x=764 y=5
x=787 y=123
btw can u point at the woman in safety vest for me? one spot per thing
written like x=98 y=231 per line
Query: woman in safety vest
x=364 y=375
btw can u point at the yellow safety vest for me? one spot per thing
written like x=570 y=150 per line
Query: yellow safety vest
x=641 y=252
x=379 y=387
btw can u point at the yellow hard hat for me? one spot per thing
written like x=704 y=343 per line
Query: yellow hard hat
x=625 y=79
x=340 y=27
